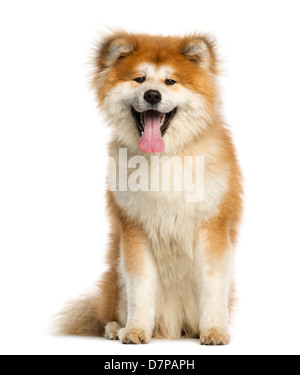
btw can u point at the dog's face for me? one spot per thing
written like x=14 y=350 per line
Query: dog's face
x=158 y=93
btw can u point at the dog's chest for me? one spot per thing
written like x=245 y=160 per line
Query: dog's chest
x=170 y=218
x=166 y=218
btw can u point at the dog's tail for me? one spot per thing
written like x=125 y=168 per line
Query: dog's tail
x=88 y=314
x=79 y=317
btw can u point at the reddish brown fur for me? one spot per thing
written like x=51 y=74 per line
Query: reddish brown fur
x=157 y=50
x=221 y=229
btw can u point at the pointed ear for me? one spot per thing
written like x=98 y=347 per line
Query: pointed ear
x=113 y=48
x=200 y=50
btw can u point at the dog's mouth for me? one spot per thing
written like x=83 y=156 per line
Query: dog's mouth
x=152 y=126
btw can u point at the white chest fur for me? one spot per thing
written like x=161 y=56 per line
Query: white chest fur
x=169 y=217
x=170 y=222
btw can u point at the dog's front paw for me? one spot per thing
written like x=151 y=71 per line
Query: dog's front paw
x=214 y=336
x=133 y=336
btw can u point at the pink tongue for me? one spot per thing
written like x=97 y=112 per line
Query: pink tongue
x=151 y=140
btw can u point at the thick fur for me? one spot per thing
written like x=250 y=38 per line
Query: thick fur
x=170 y=261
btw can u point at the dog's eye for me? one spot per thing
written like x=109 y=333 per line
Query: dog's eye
x=140 y=79
x=170 y=82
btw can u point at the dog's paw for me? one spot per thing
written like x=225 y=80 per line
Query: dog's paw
x=133 y=336
x=214 y=337
x=111 y=330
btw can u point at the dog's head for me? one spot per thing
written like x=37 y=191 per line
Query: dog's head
x=158 y=93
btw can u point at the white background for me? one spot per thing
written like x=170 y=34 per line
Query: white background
x=53 y=226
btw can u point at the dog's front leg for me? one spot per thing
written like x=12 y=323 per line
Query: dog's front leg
x=139 y=283
x=214 y=267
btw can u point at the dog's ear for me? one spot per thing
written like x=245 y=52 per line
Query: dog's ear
x=199 y=50
x=113 y=48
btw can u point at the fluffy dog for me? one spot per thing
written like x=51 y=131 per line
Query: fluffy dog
x=171 y=252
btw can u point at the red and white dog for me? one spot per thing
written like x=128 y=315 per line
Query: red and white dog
x=170 y=257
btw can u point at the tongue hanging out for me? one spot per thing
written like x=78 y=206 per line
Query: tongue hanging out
x=151 y=140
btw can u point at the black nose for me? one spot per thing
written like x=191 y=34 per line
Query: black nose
x=152 y=96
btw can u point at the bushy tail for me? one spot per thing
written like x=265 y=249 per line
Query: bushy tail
x=78 y=317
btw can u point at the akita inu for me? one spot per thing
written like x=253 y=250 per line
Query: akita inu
x=170 y=257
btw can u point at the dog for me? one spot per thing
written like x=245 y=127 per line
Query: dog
x=171 y=249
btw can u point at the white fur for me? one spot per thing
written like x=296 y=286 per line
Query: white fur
x=214 y=284
x=170 y=223
x=191 y=109
x=111 y=330
x=138 y=299
x=171 y=289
